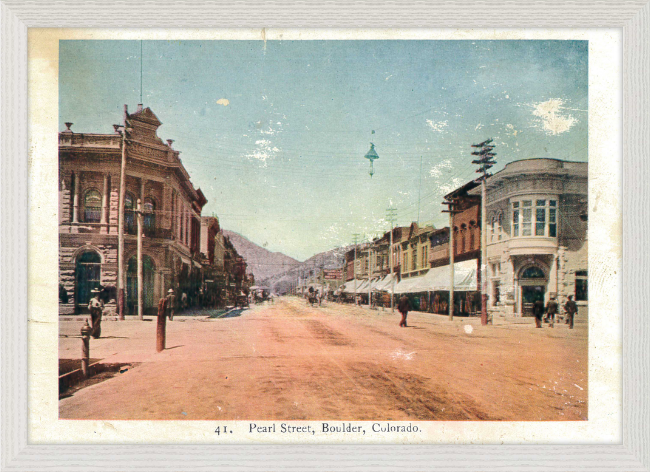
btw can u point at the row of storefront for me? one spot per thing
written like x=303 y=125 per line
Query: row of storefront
x=536 y=244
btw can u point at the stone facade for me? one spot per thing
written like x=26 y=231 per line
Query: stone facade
x=536 y=234
x=89 y=185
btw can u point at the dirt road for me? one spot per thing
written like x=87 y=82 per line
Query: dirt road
x=289 y=361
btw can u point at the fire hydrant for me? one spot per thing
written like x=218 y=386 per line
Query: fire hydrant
x=85 y=348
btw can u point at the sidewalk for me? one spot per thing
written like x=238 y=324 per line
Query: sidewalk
x=128 y=340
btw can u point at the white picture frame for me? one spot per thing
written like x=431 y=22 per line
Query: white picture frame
x=632 y=17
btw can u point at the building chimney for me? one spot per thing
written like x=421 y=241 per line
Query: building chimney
x=68 y=125
x=126 y=114
x=170 y=142
x=139 y=107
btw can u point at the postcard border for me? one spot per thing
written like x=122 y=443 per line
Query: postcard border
x=16 y=17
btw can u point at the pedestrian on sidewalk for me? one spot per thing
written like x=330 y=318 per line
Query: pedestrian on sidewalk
x=96 y=307
x=538 y=311
x=404 y=306
x=551 y=311
x=571 y=308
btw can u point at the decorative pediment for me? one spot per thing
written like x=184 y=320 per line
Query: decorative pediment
x=147 y=116
x=144 y=124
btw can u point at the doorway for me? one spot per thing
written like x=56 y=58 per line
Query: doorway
x=529 y=295
x=147 y=286
x=88 y=277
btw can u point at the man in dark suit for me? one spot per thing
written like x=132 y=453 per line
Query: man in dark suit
x=551 y=311
x=538 y=311
x=404 y=306
x=571 y=308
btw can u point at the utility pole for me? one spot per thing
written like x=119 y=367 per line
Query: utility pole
x=419 y=190
x=369 y=277
x=484 y=161
x=356 y=242
x=139 y=261
x=120 y=220
x=391 y=217
x=452 y=211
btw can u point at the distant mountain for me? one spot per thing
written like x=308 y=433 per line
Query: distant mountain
x=285 y=280
x=261 y=262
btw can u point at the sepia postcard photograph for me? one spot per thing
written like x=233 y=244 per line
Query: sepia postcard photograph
x=363 y=234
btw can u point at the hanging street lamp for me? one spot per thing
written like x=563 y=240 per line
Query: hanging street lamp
x=371 y=155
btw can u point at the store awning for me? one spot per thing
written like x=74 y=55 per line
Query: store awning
x=438 y=279
x=348 y=287
x=465 y=277
x=410 y=285
x=385 y=284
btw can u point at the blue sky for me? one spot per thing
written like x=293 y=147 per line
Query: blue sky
x=274 y=133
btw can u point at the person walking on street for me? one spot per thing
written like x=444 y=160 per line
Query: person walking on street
x=96 y=307
x=404 y=306
x=538 y=311
x=551 y=311
x=571 y=308
x=171 y=300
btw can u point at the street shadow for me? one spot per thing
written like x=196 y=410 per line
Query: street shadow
x=113 y=337
x=174 y=347
x=233 y=314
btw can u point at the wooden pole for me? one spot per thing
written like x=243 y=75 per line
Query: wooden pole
x=139 y=262
x=483 y=257
x=120 y=225
x=161 y=325
x=451 y=263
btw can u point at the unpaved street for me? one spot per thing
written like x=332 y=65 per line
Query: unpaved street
x=289 y=361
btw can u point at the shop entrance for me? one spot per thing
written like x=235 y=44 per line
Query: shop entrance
x=529 y=295
x=533 y=287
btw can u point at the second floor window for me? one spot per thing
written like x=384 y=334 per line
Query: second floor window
x=149 y=216
x=92 y=206
x=534 y=218
x=129 y=214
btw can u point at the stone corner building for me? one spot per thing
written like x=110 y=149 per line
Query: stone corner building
x=89 y=187
x=536 y=234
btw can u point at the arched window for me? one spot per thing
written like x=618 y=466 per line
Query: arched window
x=149 y=217
x=129 y=214
x=462 y=238
x=533 y=272
x=148 y=268
x=471 y=237
x=92 y=206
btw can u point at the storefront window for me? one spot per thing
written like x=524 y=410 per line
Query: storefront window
x=581 y=285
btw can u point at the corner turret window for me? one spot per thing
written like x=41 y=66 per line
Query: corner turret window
x=534 y=218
